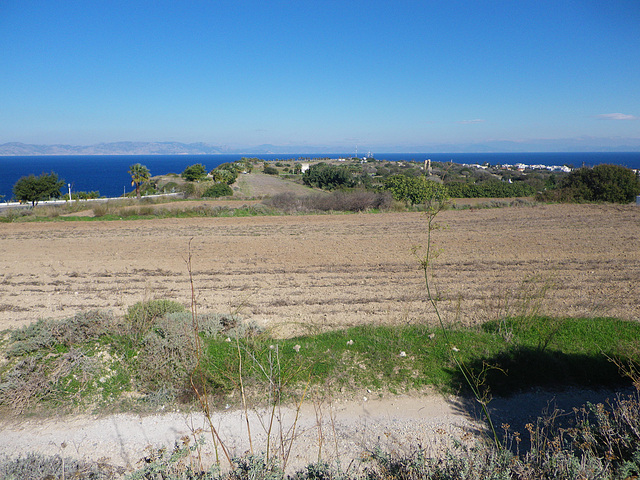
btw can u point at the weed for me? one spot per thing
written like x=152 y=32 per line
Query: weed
x=474 y=379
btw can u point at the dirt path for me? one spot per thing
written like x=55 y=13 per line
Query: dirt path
x=336 y=431
x=304 y=273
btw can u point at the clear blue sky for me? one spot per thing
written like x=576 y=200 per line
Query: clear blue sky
x=372 y=73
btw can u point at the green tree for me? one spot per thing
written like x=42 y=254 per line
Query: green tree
x=415 y=190
x=194 y=172
x=328 y=177
x=602 y=183
x=139 y=175
x=225 y=173
x=34 y=189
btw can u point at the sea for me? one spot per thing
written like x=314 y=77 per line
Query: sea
x=108 y=174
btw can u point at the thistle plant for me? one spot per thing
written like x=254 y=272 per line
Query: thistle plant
x=436 y=201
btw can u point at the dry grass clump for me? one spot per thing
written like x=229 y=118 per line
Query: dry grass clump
x=36 y=466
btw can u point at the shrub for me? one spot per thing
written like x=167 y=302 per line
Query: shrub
x=218 y=190
x=491 y=189
x=190 y=190
x=194 y=172
x=602 y=183
x=46 y=333
x=169 y=187
x=415 y=190
x=355 y=201
x=168 y=352
x=37 y=466
x=269 y=170
x=328 y=177
x=140 y=317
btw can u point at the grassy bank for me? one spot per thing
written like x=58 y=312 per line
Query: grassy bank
x=96 y=361
x=156 y=355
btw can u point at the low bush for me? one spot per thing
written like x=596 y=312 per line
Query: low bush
x=345 y=201
x=168 y=352
x=493 y=189
x=269 y=170
x=140 y=317
x=45 y=333
x=218 y=190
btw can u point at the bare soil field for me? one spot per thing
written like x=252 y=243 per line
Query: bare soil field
x=298 y=274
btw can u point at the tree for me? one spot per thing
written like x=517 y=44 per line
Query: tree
x=194 y=172
x=139 y=175
x=415 y=190
x=328 y=177
x=224 y=176
x=602 y=183
x=34 y=189
x=226 y=173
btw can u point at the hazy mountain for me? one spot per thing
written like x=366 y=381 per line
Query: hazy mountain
x=582 y=144
x=116 y=148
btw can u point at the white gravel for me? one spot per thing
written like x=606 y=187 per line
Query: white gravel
x=340 y=431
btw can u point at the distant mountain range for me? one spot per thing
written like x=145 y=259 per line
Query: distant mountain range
x=585 y=144
x=116 y=148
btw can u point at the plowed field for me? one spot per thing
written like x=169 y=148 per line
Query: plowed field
x=304 y=273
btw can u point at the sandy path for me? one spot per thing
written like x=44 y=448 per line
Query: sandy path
x=353 y=427
x=301 y=273
x=338 y=431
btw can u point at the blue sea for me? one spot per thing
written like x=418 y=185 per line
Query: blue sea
x=108 y=173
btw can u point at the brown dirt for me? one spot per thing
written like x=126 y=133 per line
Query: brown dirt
x=303 y=273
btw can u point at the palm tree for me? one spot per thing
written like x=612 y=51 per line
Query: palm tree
x=139 y=175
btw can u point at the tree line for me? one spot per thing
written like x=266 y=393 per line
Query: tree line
x=602 y=183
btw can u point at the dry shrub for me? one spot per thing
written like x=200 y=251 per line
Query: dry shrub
x=286 y=202
x=45 y=333
x=340 y=201
x=141 y=316
x=38 y=466
x=32 y=379
x=168 y=352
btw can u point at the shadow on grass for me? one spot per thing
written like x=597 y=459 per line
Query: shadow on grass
x=523 y=368
x=524 y=383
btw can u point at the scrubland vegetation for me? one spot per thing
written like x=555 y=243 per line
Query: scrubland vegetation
x=361 y=186
x=162 y=353
x=98 y=362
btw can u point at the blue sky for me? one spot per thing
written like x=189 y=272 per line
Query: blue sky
x=369 y=73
